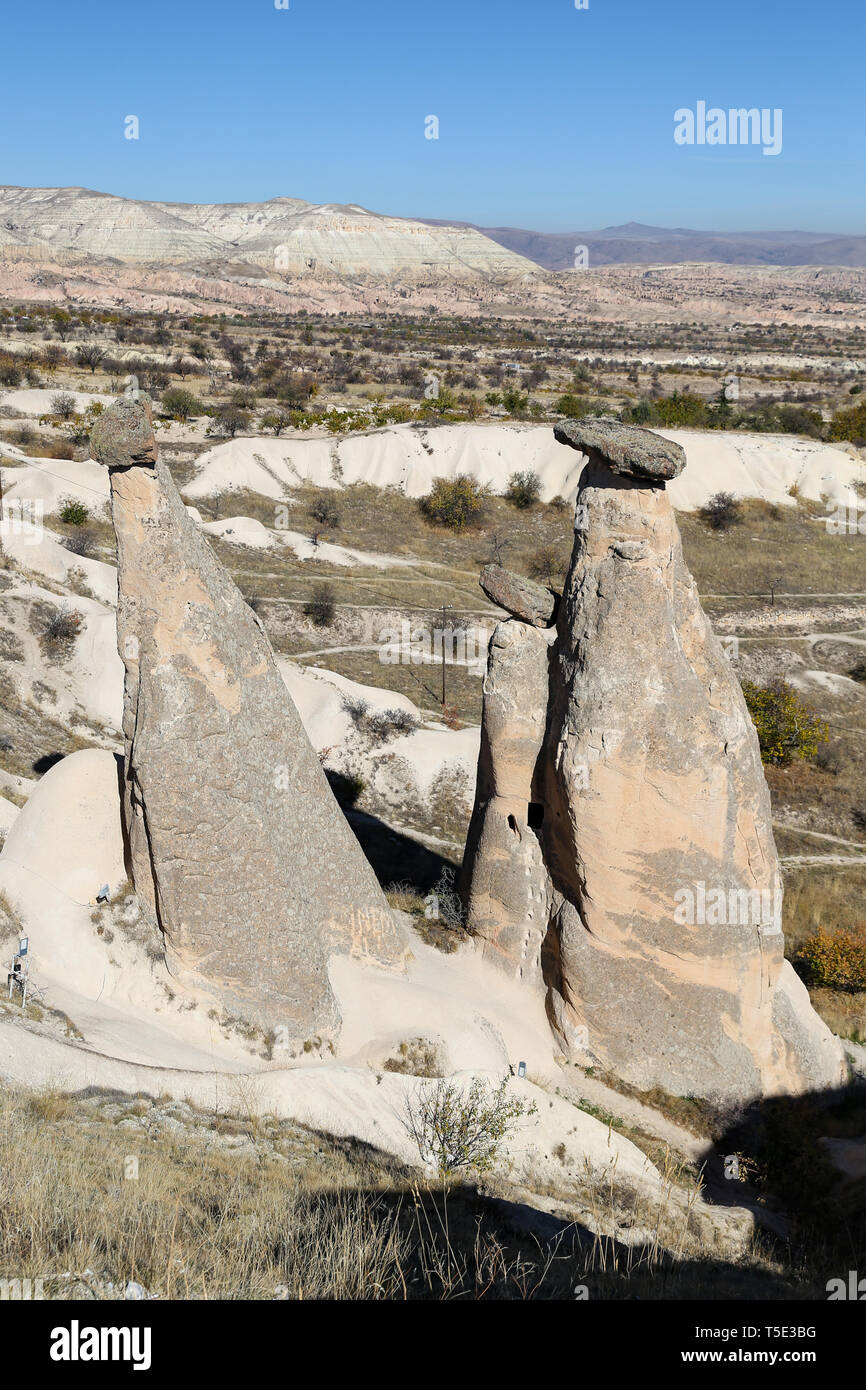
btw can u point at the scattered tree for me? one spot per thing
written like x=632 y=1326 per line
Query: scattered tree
x=458 y=1127
x=89 y=355
x=63 y=323
x=524 y=488
x=276 y=421
x=787 y=729
x=321 y=606
x=63 y=405
x=454 y=502
x=721 y=511
x=230 y=420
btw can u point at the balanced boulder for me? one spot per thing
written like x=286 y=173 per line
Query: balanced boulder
x=661 y=952
x=519 y=596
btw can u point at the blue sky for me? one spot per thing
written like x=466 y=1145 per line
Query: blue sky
x=550 y=118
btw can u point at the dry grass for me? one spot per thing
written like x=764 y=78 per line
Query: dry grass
x=830 y=898
x=197 y=1223
x=785 y=547
x=689 y=1112
x=416 y=1057
x=222 y=1208
x=821 y=896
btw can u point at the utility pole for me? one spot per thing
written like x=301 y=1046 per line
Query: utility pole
x=445 y=606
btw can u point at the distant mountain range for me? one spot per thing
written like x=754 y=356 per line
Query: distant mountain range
x=282 y=237
x=289 y=236
x=86 y=247
x=637 y=244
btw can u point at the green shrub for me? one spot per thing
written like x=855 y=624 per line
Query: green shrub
x=320 y=606
x=849 y=424
x=524 y=488
x=454 y=502
x=180 y=404
x=787 y=729
x=515 y=402
x=456 y=1127
x=573 y=406
x=73 y=512
x=798 y=419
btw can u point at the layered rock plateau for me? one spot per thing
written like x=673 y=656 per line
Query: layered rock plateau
x=240 y=856
x=621 y=858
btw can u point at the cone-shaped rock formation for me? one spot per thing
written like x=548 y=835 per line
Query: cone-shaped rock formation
x=237 y=847
x=621 y=855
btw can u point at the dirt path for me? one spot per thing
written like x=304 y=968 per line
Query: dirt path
x=787 y=860
x=820 y=835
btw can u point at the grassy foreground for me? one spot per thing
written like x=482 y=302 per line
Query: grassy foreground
x=102 y=1189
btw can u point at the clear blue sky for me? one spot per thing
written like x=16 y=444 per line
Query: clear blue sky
x=550 y=118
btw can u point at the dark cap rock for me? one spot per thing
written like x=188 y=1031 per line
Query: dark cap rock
x=518 y=596
x=123 y=435
x=625 y=449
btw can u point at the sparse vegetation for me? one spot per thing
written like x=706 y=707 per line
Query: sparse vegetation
x=455 y=502
x=416 y=1057
x=787 y=729
x=721 y=512
x=61 y=629
x=325 y=510
x=83 y=541
x=458 y=1127
x=835 y=960
x=524 y=488
x=321 y=607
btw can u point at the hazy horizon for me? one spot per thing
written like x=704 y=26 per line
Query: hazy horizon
x=456 y=219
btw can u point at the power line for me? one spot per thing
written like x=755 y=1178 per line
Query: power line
x=34 y=463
